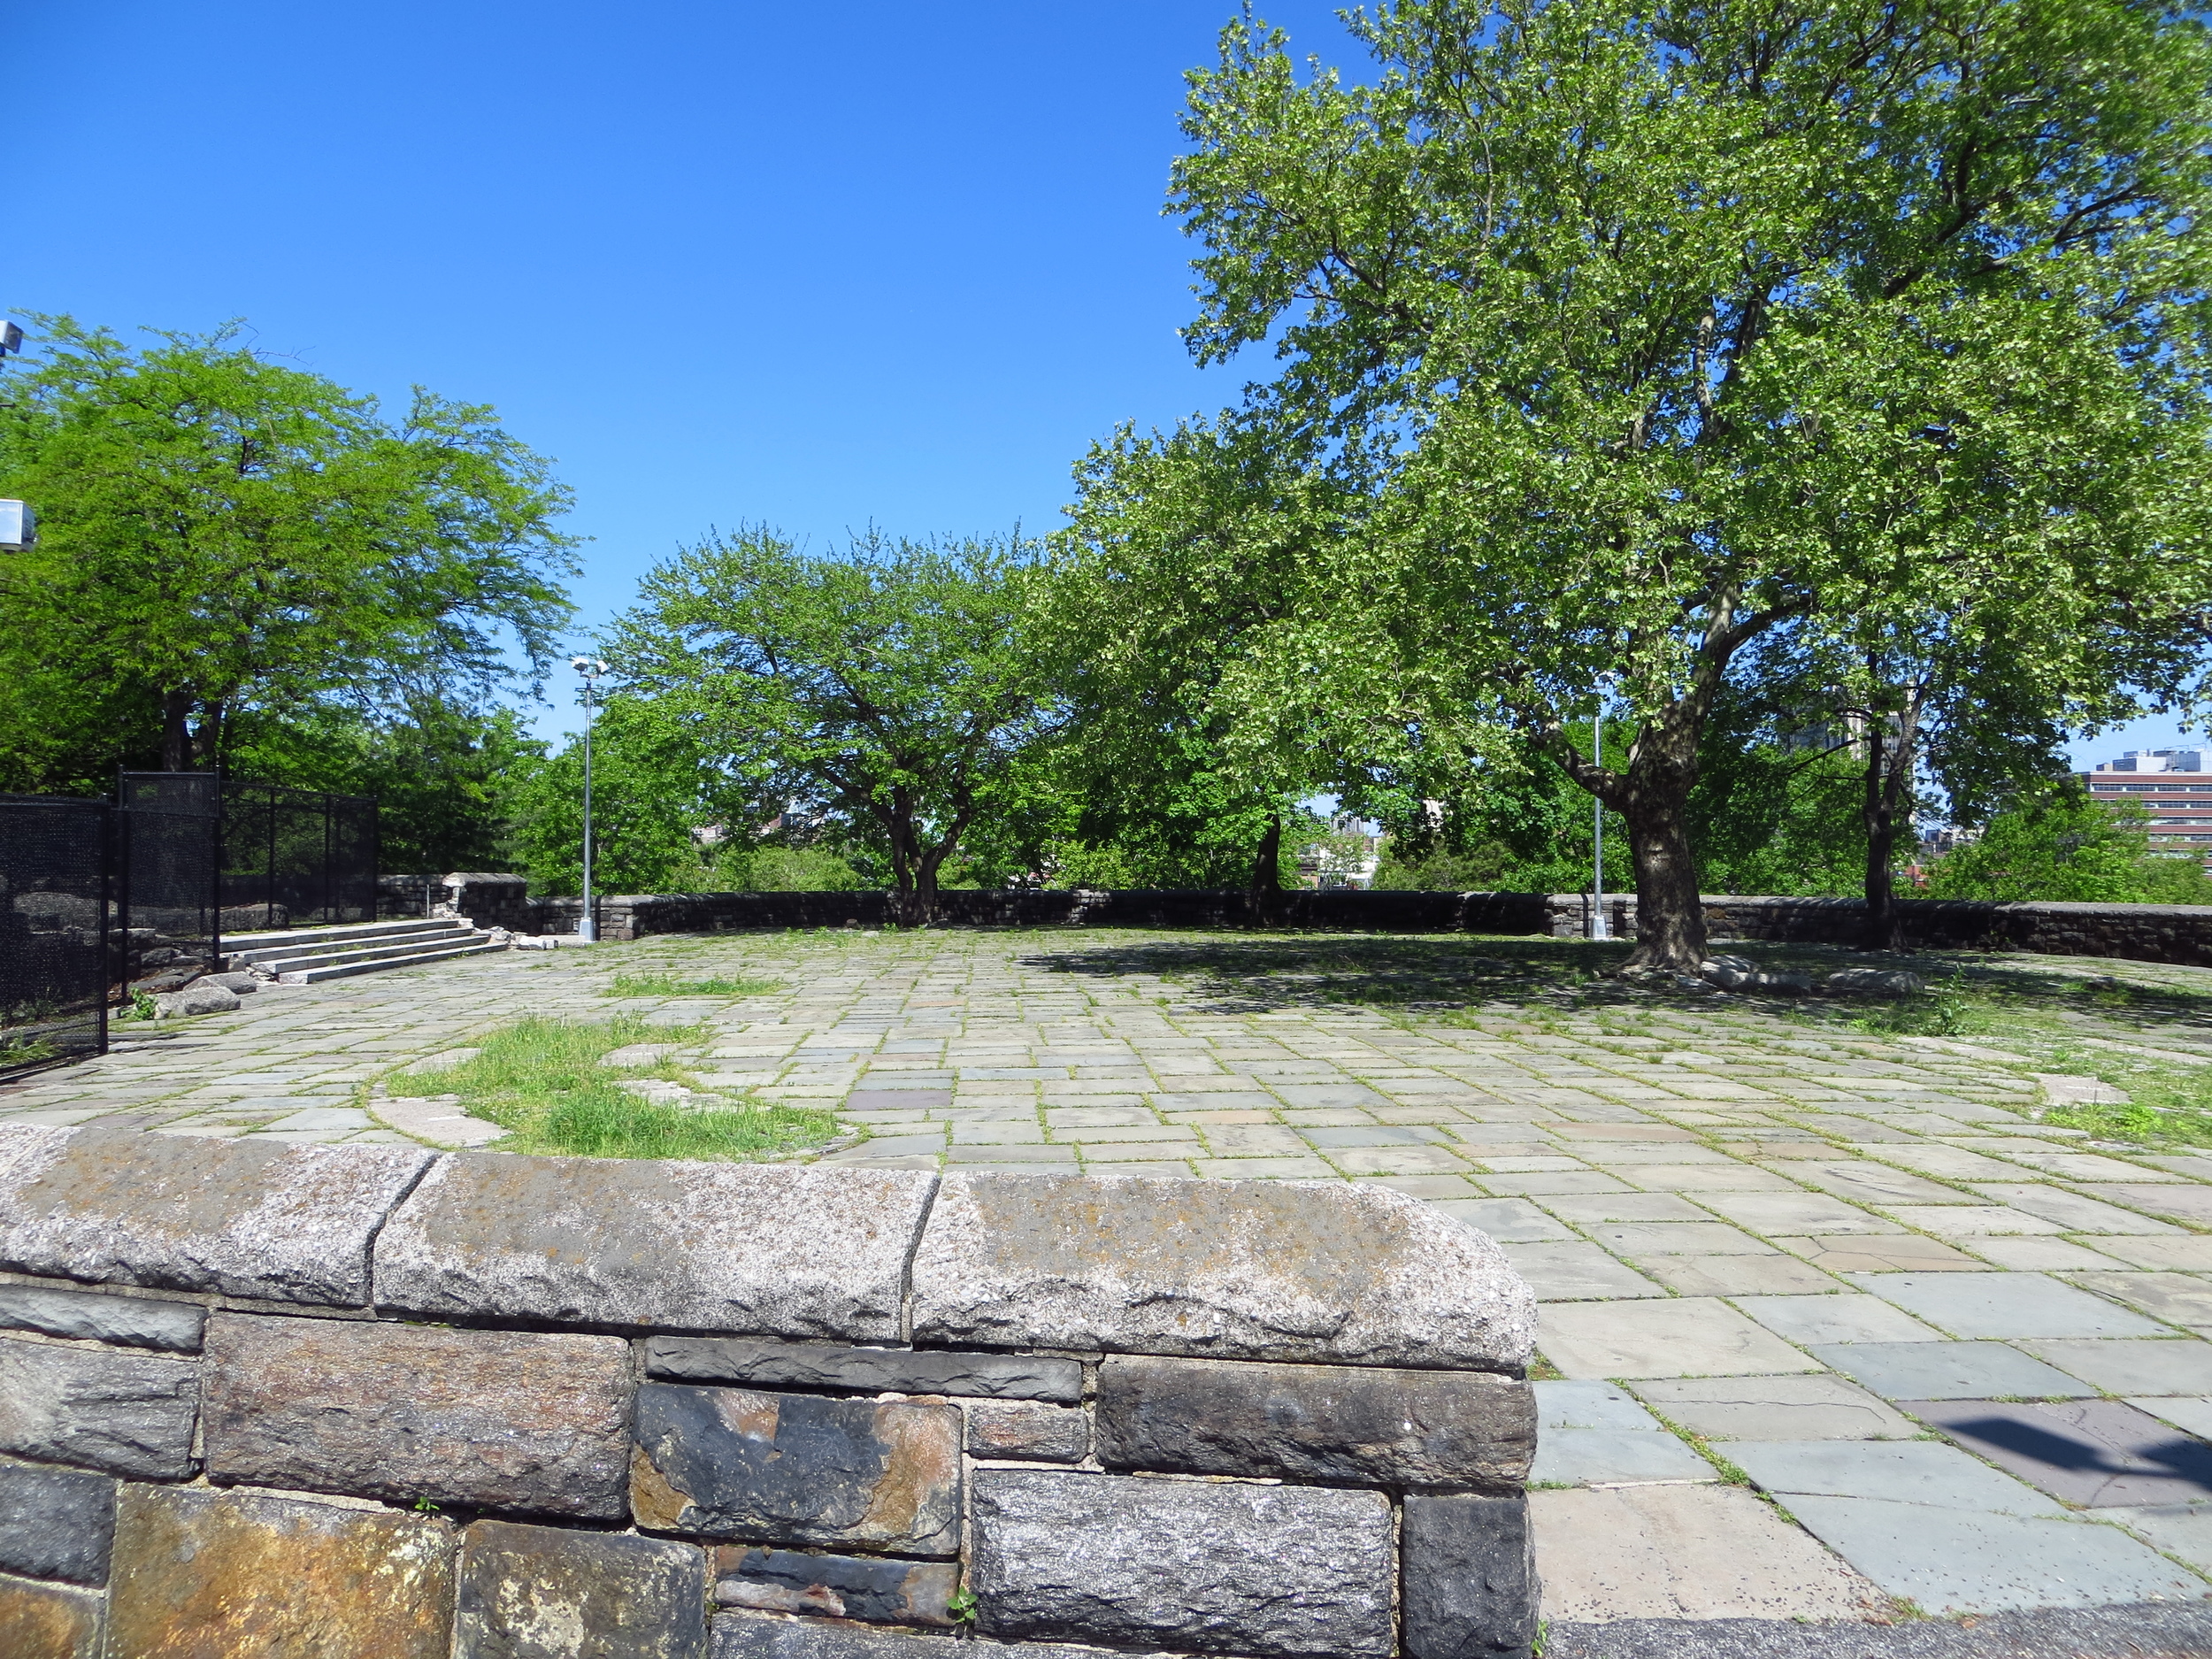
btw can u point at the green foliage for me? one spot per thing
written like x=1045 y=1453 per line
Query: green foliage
x=2057 y=845
x=774 y=869
x=1615 y=340
x=885 y=692
x=542 y=1080
x=221 y=535
x=443 y=778
x=668 y=985
x=653 y=784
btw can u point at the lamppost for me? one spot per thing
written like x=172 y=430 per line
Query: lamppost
x=1599 y=927
x=589 y=669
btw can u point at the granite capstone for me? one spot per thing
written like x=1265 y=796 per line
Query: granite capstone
x=1200 y=1566
x=105 y=1409
x=1327 y=1272
x=495 y=1419
x=550 y=1593
x=790 y=1250
x=797 y=1469
x=1468 y=1568
x=258 y=1218
x=226 y=1575
x=1347 y=1425
x=55 y=1523
x=837 y=1586
x=839 y=1367
x=89 y=1316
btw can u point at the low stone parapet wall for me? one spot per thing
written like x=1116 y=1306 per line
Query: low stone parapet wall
x=261 y=1400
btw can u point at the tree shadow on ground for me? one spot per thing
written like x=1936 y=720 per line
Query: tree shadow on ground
x=1247 y=973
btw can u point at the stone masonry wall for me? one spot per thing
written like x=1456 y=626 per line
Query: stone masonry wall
x=2142 y=933
x=261 y=1400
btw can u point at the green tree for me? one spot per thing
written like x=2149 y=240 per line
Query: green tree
x=1647 y=332
x=220 y=533
x=886 y=689
x=2057 y=845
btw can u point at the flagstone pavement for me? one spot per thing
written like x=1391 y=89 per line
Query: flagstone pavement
x=1832 y=1327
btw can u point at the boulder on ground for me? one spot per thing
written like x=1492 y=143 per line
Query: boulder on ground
x=243 y=981
x=1877 y=981
x=203 y=996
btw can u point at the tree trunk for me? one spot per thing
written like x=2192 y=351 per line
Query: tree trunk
x=1263 y=901
x=176 y=731
x=1656 y=802
x=1889 y=769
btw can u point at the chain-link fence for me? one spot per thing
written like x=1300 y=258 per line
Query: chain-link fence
x=168 y=876
x=293 y=857
x=56 y=910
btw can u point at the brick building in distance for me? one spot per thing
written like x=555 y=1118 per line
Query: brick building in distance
x=2173 y=785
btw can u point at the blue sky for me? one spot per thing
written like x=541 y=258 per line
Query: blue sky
x=815 y=266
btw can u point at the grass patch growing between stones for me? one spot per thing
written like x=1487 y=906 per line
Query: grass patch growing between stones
x=669 y=985
x=542 y=1080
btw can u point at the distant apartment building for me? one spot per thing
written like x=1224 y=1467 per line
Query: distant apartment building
x=2172 y=784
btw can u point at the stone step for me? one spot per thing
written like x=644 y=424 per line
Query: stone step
x=476 y=945
x=314 y=956
x=340 y=933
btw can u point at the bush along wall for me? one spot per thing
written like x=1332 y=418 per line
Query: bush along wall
x=362 y=1401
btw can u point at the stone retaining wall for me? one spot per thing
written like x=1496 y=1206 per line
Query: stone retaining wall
x=262 y=1400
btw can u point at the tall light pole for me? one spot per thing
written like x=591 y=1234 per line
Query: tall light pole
x=1599 y=927
x=589 y=669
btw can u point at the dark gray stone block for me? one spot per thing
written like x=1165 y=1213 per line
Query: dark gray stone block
x=1199 y=1566
x=174 y=1212
x=1347 y=1425
x=1028 y=1428
x=731 y=1359
x=751 y=1636
x=772 y=1249
x=1470 y=1587
x=797 y=1469
x=496 y=1419
x=1328 y=1272
x=841 y=1586
x=87 y=1315
x=548 y=1593
x=127 y=1414
x=55 y=1523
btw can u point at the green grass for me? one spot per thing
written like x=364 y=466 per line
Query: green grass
x=542 y=1080
x=668 y=985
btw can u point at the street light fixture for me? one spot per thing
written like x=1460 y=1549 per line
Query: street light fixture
x=589 y=669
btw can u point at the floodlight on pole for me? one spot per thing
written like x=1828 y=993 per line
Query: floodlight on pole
x=589 y=669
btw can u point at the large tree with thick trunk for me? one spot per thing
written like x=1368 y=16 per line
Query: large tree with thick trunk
x=1646 y=333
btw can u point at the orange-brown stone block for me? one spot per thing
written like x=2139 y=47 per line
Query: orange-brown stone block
x=44 y=1621
x=223 y=1575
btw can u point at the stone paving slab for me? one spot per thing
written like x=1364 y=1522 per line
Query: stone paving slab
x=1773 y=1236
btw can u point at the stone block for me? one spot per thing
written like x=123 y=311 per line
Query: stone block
x=1470 y=1576
x=177 y=1212
x=797 y=1469
x=225 y=1575
x=55 y=1524
x=1195 y=1566
x=550 y=1593
x=89 y=1316
x=1345 y=1425
x=841 y=1586
x=494 y=1419
x=736 y=1359
x=1333 y=1272
x=44 y=1621
x=128 y=1414
x=1028 y=1428
x=752 y=1636
x=792 y=1250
